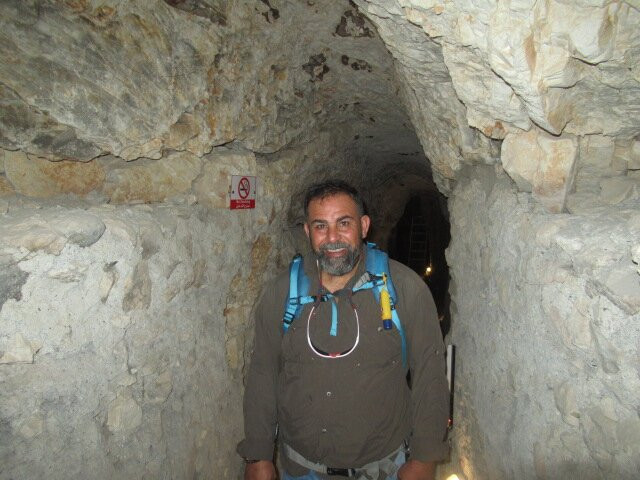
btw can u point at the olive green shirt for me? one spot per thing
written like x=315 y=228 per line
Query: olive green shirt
x=346 y=412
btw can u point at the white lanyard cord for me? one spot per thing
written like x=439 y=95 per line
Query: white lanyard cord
x=333 y=355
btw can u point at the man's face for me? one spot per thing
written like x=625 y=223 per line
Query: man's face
x=336 y=229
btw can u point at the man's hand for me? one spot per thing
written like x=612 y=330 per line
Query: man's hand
x=415 y=470
x=262 y=470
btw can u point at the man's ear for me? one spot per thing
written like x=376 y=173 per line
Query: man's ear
x=365 y=222
x=306 y=229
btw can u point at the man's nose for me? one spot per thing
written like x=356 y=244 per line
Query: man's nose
x=332 y=233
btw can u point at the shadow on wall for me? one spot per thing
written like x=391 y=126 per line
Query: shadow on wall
x=419 y=240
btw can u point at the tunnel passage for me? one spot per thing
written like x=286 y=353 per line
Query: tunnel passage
x=419 y=240
x=127 y=284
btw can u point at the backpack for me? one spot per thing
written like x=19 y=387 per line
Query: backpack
x=378 y=279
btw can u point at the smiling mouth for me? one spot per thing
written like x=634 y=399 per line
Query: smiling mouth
x=335 y=249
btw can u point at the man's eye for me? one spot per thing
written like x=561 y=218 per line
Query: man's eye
x=320 y=226
x=345 y=223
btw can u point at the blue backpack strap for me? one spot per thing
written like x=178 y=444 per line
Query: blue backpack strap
x=377 y=263
x=298 y=292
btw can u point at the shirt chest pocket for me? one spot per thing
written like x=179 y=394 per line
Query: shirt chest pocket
x=380 y=347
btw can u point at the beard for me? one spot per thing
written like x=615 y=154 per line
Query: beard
x=338 y=266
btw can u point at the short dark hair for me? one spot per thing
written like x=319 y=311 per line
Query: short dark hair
x=329 y=188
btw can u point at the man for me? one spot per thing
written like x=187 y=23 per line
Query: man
x=333 y=387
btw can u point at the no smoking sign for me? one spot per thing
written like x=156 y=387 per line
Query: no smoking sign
x=243 y=192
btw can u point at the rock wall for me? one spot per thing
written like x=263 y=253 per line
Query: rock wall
x=540 y=75
x=123 y=331
x=545 y=290
x=126 y=284
x=546 y=322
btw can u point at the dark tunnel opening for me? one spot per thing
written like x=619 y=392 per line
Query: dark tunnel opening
x=419 y=240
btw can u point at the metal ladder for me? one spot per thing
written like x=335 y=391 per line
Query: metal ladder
x=418 y=245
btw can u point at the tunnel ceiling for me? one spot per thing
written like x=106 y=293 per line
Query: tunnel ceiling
x=387 y=84
x=134 y=80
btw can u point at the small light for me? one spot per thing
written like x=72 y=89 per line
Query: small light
x=428 y=271
x=453 y=477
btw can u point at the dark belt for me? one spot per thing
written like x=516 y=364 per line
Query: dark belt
x=341 y=472
x=332 y=471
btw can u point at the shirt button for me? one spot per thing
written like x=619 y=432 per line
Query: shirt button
x=324 y=430
x=328 y=394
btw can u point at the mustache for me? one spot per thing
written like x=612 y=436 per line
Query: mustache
x=334 y=246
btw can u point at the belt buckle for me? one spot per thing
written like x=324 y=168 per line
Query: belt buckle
x=342 y=472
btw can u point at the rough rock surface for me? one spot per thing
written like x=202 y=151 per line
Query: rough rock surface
x=126 y=284
x=541 y=164
x=547 y=313
x=86 y=99
x=113 y=344
x=571 y=69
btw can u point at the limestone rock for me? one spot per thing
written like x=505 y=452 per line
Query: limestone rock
x=12 y=278
x=597 y=151
x=124 y=415
x=137 y=289
x=37 y=177
x=77 y=226
x=94 y=101
x=198 y=277
x=623 y=287
x=32 y=427
x=52 y=230
x=233 y=353
x=628 y=432
x=30 y=128
x=574 y=330
x=125 y=379
x=234 y=319
x=68 y=273
x=179 y=134
x=542 y=164
x=153 y=181
x=33 y=233
x=624 y=157
x=158 y=388
x=19 y=350
x=553 y=64
x=579 y=326
x=6 y=188
x=520 y=158
x=565 y=397
x=554 y=177
x=634 y=157
x=109 y=278
x=618 y=189
x=635 y=255
x=475 y=84
x=591 y=34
